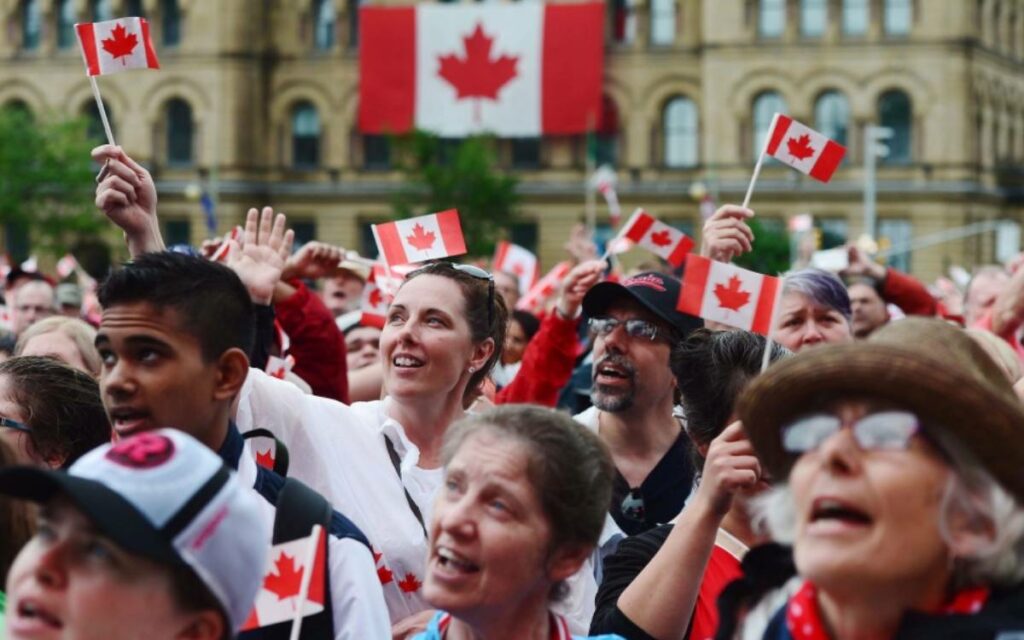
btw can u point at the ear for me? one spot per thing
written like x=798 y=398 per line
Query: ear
x=481 y=353
x=970 y=532
x=702 y=449
x=204 y=625
x=232 y=369
x=565 y=562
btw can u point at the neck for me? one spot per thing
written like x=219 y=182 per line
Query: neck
x=642 y=430
x=214 y=437
x=510 y=625
x=863 y=613
x=425 y=424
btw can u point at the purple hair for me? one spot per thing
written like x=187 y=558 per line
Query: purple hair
x=823 y=288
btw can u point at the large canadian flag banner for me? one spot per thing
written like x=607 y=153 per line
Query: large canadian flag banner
x=669 y=243
x=515 y=70
x=728 y=294
x=803 y=148
x=278 y=599
x=429 y=237
x=116 y=45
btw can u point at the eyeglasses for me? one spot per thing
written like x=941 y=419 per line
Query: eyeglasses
x=635 y=327
x=14 y=424
x=469 y=270
x=882 y=431
x=632 y=506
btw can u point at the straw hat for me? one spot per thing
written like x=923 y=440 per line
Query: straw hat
x=925 y=365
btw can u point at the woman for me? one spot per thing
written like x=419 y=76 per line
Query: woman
x=151 y=537
x=50 y=414
x=524 y=500
x=664 y=583
x=522 y=326
x=814 y=309
x=69 y=340
x=907 y=524
x=15 y=527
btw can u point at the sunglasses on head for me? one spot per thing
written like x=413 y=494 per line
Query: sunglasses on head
x=469 y=270
x=14 y=424
x=881 y=431
x=632 y=506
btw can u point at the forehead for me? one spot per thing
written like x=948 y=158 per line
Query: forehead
x=492 y=454
x=797 y=302
x=34 y=290
x=433 y=291
x=121 y=321
x=861 y=290
x=362 y=333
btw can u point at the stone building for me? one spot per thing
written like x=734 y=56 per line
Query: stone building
x=257 y=100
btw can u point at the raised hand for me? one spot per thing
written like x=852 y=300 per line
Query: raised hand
x=580 y=245
x=861 y=265
x=261 y=257
x=125 y=193
x=314 y=260
x=726 y=233
x=729 y=467
x=576 y=284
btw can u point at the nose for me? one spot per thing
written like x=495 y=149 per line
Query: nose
x=812 y=333
x=117 y=380
x=615 y=340
x=457 y=517
x=840 y=453
x=51 y=568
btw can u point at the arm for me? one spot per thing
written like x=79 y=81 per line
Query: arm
x=316 y=341
x=1008 y=310
x=620 y=570
x=125 y=193
x=902 y=290
x=357 y=600
x=726 y=234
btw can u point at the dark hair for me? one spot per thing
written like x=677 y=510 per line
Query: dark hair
x=867 y=281
x=211 y=302
x=569 y=467
x=62 y=407
x=16 y=523
x=475 y=295
x=711 y=369
x=191 y=595
x=823 y=288
x=528 y=321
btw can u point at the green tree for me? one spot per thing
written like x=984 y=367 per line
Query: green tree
x=46 y=181
x=771 y=250
x=443 y=174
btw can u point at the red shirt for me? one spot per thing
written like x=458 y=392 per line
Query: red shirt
x=723 y=568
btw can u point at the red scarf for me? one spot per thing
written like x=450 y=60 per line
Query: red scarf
x=804 y=620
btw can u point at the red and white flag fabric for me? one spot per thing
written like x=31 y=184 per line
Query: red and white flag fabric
x=278 y=599
x=513 y=69
x=519 y=261
x=66 y=266
x=220 y=254
x=603 y=181
x=728 y=294
x=116 y=45
x=379 y=291
x=803 y=148
x=657 y=237
x=438 y=235
x=539 y=293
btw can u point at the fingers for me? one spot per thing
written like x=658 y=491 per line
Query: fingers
x=266 y=224
x=732 y=211
x=110 y=199
x=250 y=236
x=286 y=244
x=728 y=237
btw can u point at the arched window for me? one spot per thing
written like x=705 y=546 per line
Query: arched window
x=897 y=17
x=771 y=19
x=679 y=122
x=855 y=17
x=179 y=133
x=94 y=123
x=323 y=24
x=305 y=136
x=134 y=9
x=64 y=13
x=31 y=24
x=606 y=138
x=100 y=11
x=663 y=21
x=895 y=112
x=813 y=17
x=170 y=22
x=766 y=105
x=18 y=107
x=832 y=116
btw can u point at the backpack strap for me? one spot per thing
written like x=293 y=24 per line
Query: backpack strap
x=280 y=450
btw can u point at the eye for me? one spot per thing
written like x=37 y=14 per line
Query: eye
x=98 y=549
x=148 y=355
x=395 y=318
x=107 y=357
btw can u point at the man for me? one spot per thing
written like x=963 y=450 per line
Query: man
x=33 y=301
x=635 y=325
x=174 y=338
x=507 y=284
x=343 y=290
x=868 y=307
x=69 y=299
x=362 y=341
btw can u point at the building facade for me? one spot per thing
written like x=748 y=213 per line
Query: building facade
x=256 y=103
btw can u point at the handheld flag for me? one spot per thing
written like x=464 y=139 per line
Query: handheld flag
x=116 y=45
x=540 y=292
x=728 y=294
x=803 y=148
x=438 y=235
x=519 y=261
x=657 y=237
x=603 y=181
x=66 y=266
x=278 y=599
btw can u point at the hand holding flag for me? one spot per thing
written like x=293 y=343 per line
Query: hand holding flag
x=726 y=234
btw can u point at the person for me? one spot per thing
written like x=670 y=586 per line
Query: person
x=362 y=341
x=17 y=525
x=507 y=284
x=151 y=537
x=814 y=309
x=33 y=301
x=897 y=462
x=524 y=499
x=50 y=413
x=664 y=583
x=69 y=340
x=872 y=287
x=343 y=287
x=868 y=311
x=522 y=326
x=987 y=284
x=69 y=299
x=635 y=324
x=994 y=302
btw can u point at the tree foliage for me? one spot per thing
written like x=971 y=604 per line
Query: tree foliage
x=771 y=250
x=444 y=174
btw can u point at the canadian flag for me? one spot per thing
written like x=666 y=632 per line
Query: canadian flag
x=429 y=237
x=516 y=70
x=278 y=367
x=220 y=254
x=518 y=261
x=803 y=148
x=379 y=291
x=603 y=181
x=540 y=292
x=278 y=599
x=728 y=294
x=114 y=45
x=657 y=237
x=66 y=266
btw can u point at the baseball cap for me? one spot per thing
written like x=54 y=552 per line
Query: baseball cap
x=68 y=294
x=657 y=292
x=165 y=496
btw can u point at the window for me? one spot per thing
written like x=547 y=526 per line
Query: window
x=323 y=24
x=353 y=22
x=170 y=22
x=134 y=8
x=177 y=232
x=94 y=123
x=525 y=153
x=895 y=112
x=376 y=152
x=305 y=231
x=663 y=22
x=896 y=234
x=623 y=21
x=832 y=116
x=66 y=18
x=897 y=17
x=31 y=24
x=855 y=17
x=680 y=129
x=20 y=109
x=772 y=18
x=834 y=232
x=813 y=17
x=17 y=242
x=179 y=133
x=524 y=234
x=100 y=10
x=766 y=105
x=605 y=141
x=305 y=136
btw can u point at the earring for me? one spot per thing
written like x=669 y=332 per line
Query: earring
x=472 y=369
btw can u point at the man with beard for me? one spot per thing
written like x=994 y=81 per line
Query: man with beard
x=634 y=326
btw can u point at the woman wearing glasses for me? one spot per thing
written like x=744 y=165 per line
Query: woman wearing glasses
x=900 y=488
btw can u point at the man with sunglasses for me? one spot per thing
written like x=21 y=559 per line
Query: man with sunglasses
x=634 y=325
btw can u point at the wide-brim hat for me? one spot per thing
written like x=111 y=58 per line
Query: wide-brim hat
x=925 y=365
x=657 y=292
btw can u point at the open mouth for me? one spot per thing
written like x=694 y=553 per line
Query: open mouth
x=406 y=362
x=30 y=613
x=831 y=510
x=451 y=560
x=127 y=421
x=610 y=371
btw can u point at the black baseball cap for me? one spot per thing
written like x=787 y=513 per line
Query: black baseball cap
x=657 y=292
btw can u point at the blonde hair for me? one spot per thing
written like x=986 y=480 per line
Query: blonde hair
x=78 y=331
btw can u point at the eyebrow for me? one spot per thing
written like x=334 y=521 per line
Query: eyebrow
x=134 y=341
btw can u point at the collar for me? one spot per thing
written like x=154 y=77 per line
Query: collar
x=408 y=453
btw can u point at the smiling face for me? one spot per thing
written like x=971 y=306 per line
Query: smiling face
x=802 y=323
x=853 y=504
x=515 y=343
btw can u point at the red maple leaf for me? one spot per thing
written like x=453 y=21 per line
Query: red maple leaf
x=285 y=583
x=375 y=298
x=409 y=583
x=377 y=555
x=120 y=44
x=800 y=148
x=265 y=459
x=662 y=238
x=385 y=575
x=518 y=269
x=421 y=238
x=477 y=75
x=732 y=297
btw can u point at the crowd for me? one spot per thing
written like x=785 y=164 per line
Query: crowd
x=233 y=448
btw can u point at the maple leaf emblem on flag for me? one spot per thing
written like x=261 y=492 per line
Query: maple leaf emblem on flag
x=477 y=75
x=421 y=238
x=409 y=583
x=286 y=582
x=800 y=148
x=732 y=296
x=661 y=238
x=375 y=298
x=120 y=44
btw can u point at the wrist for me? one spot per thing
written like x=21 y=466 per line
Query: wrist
x=567 y=311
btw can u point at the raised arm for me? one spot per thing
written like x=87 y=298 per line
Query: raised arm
x=125 y=193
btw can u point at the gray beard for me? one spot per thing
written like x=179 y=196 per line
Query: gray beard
x=611 y=402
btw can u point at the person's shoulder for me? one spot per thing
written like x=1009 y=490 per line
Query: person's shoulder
x=604 y=636
x=588 y=418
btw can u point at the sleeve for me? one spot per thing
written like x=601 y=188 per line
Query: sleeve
x=357 y=600
x=907 y=293
x=317 y=344
x=620 y=569
x=547 y=364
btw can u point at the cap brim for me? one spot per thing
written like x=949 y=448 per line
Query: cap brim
x=112 y=515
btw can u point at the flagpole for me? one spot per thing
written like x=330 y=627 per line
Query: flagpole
x=767 y=357
x=307 y=574
x=102 y=110
x=760 y=161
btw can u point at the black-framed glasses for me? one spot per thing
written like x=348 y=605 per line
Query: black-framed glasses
x=881 y=431
x=635 y=327
x=469 y=270
x=14 y=424
x=632 y=506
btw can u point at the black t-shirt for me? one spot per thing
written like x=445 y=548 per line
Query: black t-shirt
x=662 y=494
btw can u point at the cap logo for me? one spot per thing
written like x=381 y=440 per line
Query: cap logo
x=650 y=281
x=144 y=451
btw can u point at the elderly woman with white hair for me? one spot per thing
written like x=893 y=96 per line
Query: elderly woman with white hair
x=900 y=470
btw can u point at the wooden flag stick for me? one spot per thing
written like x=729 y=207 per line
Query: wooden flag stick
x=102 y=110
x=760 y=161
x=307 y=575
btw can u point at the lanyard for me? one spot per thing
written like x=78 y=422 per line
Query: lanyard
x=398 y=469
